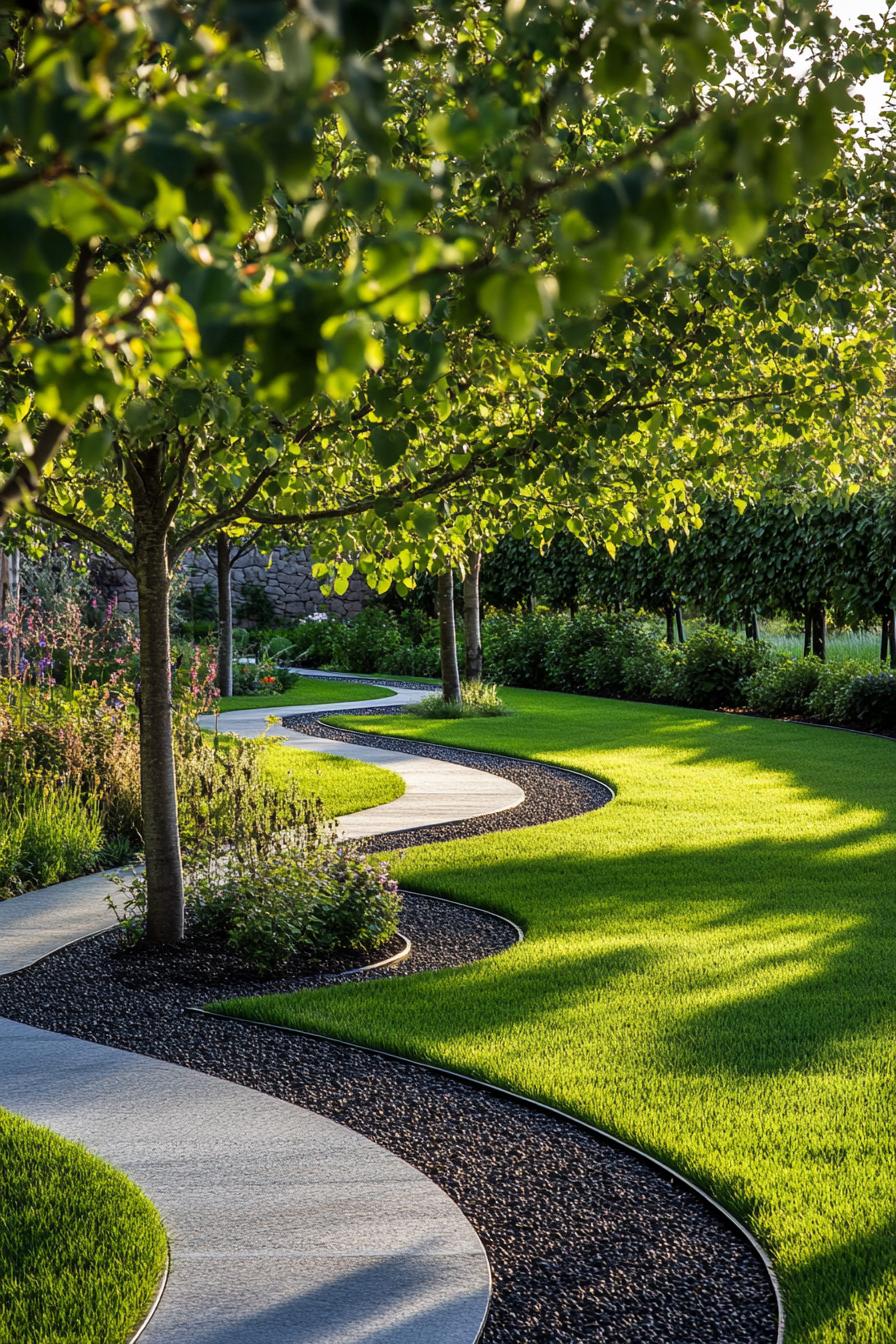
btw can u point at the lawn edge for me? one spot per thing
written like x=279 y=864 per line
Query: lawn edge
x=545 y=1108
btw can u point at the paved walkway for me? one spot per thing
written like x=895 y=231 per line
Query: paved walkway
x=40 y=922
x=285 y=1227
x=435 y=791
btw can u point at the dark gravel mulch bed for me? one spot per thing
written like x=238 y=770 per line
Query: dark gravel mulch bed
x=551 y=793
x=586 y=1242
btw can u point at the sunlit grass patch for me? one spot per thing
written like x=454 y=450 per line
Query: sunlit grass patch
x=81 y=1248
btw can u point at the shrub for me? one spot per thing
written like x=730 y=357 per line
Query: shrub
x=712 y=668
x=262 y=871
x=296 y=903
x=312 y=639
x=784 y=687
x=376 y=640
x=255 y=605
x=479 y=699
x=515 y=648
x=826 y=703
x=625 y=658
x=869 y=702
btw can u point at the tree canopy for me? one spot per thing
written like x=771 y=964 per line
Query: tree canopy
x=195 y=184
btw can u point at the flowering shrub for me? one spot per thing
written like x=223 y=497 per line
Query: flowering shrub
x=69 y=737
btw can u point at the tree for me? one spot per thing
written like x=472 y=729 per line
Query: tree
x=472 y=618
x=194 y=461
x=451 y=690
x=224 y=555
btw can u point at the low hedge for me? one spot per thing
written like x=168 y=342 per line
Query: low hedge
x=619 y=655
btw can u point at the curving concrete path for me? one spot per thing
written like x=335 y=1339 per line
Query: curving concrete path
x=285 y=1227
x=40 y=922
x=434 y=791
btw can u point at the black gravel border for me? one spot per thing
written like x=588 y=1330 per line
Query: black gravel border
x=589 y=1241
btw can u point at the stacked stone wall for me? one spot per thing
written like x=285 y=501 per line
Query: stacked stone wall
x=284 y=576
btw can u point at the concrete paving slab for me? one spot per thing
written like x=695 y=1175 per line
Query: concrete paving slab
x=285 y=1227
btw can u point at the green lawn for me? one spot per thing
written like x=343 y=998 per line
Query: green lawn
x=307 y=691
x=343 y=786
x=94 y=1284
x=709 y=971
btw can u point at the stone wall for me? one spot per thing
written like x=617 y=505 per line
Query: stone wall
x=284 y=575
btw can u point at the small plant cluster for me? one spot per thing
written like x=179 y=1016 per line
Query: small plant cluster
x=69 y=758
x=479 y=700
x=266 y=672
x=69 y=740
x=264 y=875
x=610 y=654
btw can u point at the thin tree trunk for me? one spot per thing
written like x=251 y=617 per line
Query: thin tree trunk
x=670 y=625
x=448 y=640
x=679 y=622
x=225 y=614
x=754 y=627
x=807 y=632
x=819 y=631
x=892 y=637
x=472 y=622
x=161 y=835
x=886 y=617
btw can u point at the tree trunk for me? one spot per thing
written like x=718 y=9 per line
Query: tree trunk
x=670 y=625
x=679 y=622
x=225 y=614
x=807 y=632
x=448 y=640
x=892 y=637
x=161 y=835
x=8 y=583
x=819 y=630
x=472 y=623
x=888 y=636
x=9 y=598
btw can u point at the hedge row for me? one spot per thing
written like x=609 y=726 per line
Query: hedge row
x=613 y=655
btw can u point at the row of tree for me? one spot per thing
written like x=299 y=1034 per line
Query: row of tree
x=806 y=560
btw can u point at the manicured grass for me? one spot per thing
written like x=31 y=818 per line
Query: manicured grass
x=81 y=1248
x=343 y=786
x=307 y=691
x=709 y=971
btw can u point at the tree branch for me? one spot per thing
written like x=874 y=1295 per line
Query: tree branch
x=24 y=479
x=83 y=532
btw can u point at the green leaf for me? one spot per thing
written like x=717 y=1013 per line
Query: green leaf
x=388 y=446
x=513 y=302
x=92 y=447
